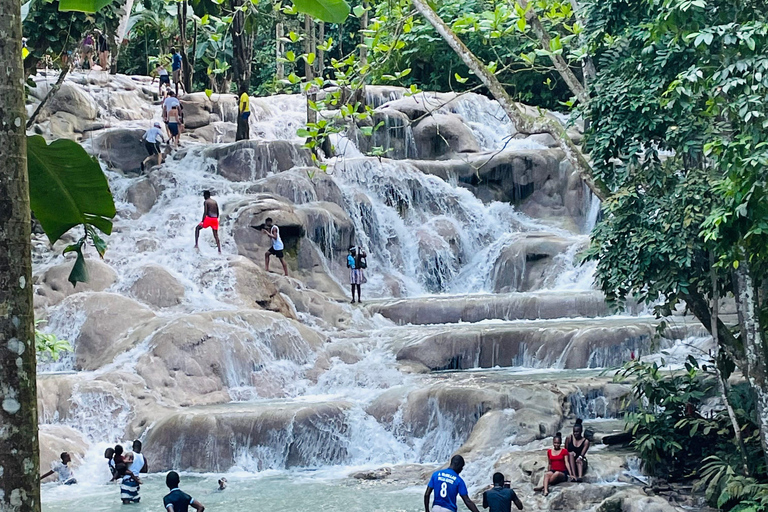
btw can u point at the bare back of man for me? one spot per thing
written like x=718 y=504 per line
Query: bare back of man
x=211 y=208
x=210 y=219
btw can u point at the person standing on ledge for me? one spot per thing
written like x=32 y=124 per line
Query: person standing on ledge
x=273 y=232
x=501 y=497
x=176 y=69
x=210 y=219
x=243 y=113
x=447 y=484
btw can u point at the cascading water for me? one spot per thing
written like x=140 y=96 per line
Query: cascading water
x=352 y=396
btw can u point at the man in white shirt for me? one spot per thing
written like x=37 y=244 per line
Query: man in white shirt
x=151 y=142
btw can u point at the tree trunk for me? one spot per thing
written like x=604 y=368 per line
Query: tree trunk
x=363 y=26
x=194 y=46
x=242 y=47
x=186 y=69
x=722 y=382
x=524 y=122
x=279 y=66
x=308 y=69
x=754 y=345
x=320 y=61
x=19 y=457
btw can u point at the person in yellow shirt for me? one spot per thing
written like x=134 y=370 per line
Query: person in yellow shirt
x=244 y=112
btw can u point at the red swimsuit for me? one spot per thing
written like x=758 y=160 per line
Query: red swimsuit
x=557 y=462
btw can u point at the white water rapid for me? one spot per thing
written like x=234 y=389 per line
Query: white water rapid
x=479 y=331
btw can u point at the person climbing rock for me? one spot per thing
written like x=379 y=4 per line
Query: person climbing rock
x=273 y=232
x=447 y=484
x=164 y=77
x=577 y=446
x=87 y=50
x=244 y=112
x=151 y=142
x=177 y=500
x=501 y=496
x=558 y=465
x=171 y=101
x=62 y=469
x=176 y=69
x=174 y=125
x=210 y=219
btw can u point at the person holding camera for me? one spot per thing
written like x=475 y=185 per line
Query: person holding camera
x=356 y=262
x=501 y=497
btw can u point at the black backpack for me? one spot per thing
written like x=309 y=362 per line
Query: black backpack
x=362 y=262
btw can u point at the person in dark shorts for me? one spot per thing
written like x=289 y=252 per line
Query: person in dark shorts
x=103 y=51
x=164 y=77
x=273 y=232
x=210 y=219
x=177 y=500
x=151 y=142
x=447 y=484
x=558 y=465
x=176 y=61
x=501 y=497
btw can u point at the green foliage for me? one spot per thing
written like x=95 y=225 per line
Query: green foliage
x=675 y=438
x=67 y=188
x=48 y=345
x=90 y=6
x=330 y=11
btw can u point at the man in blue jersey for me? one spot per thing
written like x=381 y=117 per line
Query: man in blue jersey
x=447 y=484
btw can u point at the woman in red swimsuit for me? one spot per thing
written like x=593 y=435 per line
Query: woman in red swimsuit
x=558 y=465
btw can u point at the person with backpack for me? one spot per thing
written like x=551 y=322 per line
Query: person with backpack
x=356 y=262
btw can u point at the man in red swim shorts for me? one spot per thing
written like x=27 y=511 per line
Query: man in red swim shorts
x=210 y=219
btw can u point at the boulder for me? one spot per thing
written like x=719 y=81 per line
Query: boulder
x=419 y=105
x=442 y=135
x=226 y=107
x=252 y=243
x=270 y=436
x=314 y=303
x=216 y=133
x=250 y=160
x=53 y=284
x=55 y=439
x=105 y=319
x=197 y=110
x=254 y=287
x=329 y=227
x=142 y=195
x=528 y=263
x=294 y=185
x=157 y=287
x=72 y=99
x=120 y=149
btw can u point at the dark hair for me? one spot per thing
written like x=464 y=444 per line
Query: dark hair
x=120 y=469
x=63 y=454
x=558 y=435
x=118 y=450
x=498 y=478
x=108 y=453
x=207 y=194
x=172 y=480
x=137 y=446
x=457 y=462
x=268 y=219
x=578 y=424
x=173 y=50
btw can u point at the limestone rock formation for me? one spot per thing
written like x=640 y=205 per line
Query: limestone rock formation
x=120 y=149
x=250 y=160
x=527 y=263
x=142 y=194
x=442 y=135
x=54 y=286
x=157 y=287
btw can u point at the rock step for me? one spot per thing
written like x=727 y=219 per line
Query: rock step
x=564 y=344
x=508 y=306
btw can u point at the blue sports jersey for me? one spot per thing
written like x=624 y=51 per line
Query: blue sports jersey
x=447 y=484
x=176 y=62
x=351 y=261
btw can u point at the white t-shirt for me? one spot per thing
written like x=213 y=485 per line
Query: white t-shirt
x=152 y=135
x=137 y=464
x=277 y=243
x=64 y=471
x=169 y=103
x=162 y=71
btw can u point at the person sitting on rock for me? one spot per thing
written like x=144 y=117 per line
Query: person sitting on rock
x=62 y=469
x=177 y=500
x=447 y=484
x=577 y=446
x=501 y=497
x=273 y=232
x=558 y=465
x=151 y=142
x=210 y=219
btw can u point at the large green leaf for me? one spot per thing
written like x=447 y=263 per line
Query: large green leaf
x=82 y=5
x=67 y=187
x=330 y=11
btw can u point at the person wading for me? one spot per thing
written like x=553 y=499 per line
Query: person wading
x=447 y=484
x=501 y=497
x=210 y=219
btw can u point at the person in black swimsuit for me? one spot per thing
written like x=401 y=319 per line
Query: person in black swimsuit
x=577 y=446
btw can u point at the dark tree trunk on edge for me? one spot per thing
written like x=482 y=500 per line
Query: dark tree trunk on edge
x=19 y=457
x=186 y=69
x=242 y=47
